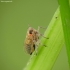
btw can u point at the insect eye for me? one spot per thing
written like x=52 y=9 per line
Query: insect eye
x=30 y=32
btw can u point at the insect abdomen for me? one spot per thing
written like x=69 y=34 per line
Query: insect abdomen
x=28 y=49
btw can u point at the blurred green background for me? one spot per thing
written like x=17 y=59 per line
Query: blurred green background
x=14 y=19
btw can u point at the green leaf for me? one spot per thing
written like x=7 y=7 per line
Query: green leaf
x=65 y=16
x=47 y=56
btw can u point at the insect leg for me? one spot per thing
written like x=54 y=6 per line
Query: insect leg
x=36 y=47
x=43 y=36
x=41 y=44
x=39 y=33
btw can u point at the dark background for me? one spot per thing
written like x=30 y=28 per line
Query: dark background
x=14 y=19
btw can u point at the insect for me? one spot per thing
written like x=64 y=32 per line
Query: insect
x=32 y=37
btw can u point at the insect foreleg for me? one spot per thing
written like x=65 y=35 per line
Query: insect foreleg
x=43 y=36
